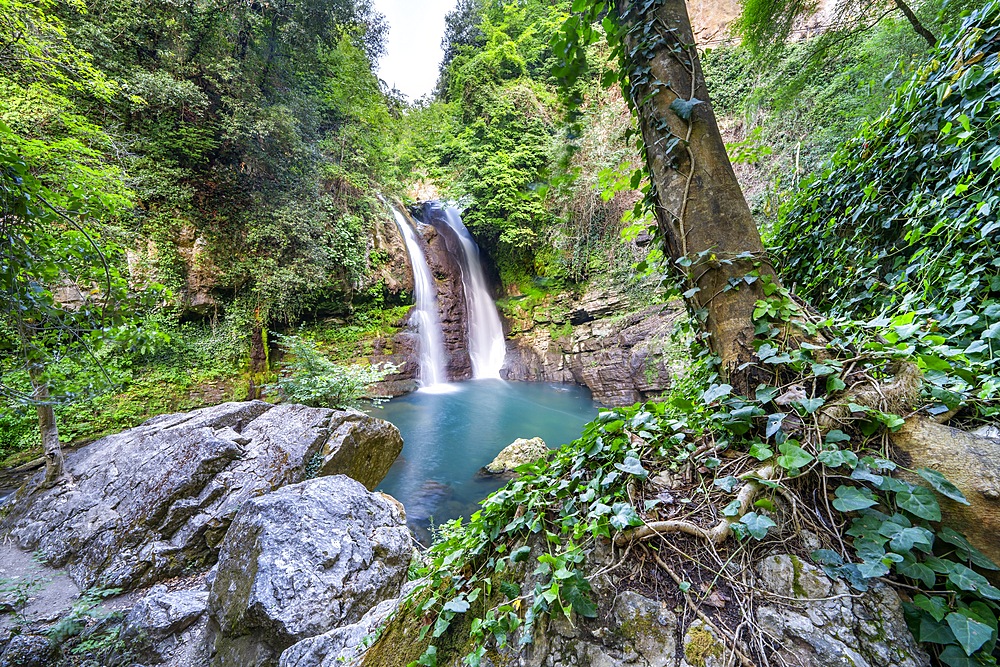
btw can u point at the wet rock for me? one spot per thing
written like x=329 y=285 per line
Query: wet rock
x=301 y=561
x=442 y=252
x=830 y=627
x=516 y=454
x=27 y=651
x=154 y=501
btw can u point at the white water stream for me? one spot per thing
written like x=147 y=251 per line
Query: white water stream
x=486 y=342
x=432 y=355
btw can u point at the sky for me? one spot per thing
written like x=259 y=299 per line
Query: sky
x=414 y=43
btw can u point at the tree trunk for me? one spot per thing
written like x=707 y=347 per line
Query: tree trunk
x=258 y=362
x=915 y=22
x=700 y=211
x=54 y=462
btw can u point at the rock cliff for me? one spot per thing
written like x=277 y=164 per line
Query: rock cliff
x=599 y=340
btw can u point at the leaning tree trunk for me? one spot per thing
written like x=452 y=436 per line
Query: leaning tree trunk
x=711 y=234
x=54 y=462
x=701 y=211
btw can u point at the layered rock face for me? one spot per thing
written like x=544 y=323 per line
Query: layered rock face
x=443 y=250
x=599 y=341
x=154 y=501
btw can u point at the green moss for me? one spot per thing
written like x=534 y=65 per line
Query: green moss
x=700 y=646
x=797 y=588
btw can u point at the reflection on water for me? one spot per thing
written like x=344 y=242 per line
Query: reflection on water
x=449 y=436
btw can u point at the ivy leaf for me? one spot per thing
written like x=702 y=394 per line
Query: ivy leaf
x=774 y=423
x=932 y=631
x=942 y=485
x=936 y=606
x=837 y=457
x=715 y=392
x=683 y=108
x=624 y=515
x=918 y=572
x=835 y=436
x=633 y=466
x=811 y=405
x=520 y=554
x=920 y=502
x=952 y=656
x=968 y=551
x=732 y=509
x=760 y=451
x=852 y=498
x=727 y=484
x=458 y=605
x=757 y=524
x=793 y=457
x=871 y=569
x=971 y=634
x=827 y=557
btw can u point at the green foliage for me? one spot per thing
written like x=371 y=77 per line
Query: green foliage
x=907 y=211
x=312 y=379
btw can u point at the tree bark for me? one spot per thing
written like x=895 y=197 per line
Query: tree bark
x=701 y=211
x=258 y=362
x=54 y=460
x=915 y=22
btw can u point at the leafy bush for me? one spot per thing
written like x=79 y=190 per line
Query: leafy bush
x=316 y=381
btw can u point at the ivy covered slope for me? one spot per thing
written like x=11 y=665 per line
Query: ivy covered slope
x=908 y=213
x=685 y=499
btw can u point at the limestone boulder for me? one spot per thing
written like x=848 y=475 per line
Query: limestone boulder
x=301 y=561
x=517 y=453
x=156 y=500
x=168 y=626
x=360 y=447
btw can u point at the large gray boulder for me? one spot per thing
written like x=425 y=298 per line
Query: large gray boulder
x=301 y=561
x=167 y=626
x=342 y=646
x=156 y=500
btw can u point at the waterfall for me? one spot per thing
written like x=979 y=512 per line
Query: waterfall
x=486 y=342
x=432 y=356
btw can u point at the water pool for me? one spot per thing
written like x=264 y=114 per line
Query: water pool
x=449 y=433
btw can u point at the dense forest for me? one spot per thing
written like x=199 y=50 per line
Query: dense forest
x=194 y=205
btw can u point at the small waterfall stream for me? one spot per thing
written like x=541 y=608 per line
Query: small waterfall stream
x=432 y=356
x=486 y=341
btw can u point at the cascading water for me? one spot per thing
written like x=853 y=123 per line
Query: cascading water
x=432 y=356
x=486 y=342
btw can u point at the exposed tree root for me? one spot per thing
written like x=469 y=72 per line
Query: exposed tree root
x=717 y=535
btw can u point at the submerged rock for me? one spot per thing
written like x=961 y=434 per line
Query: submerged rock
x=301 y=561
x=156 y=500
x=517 y=453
